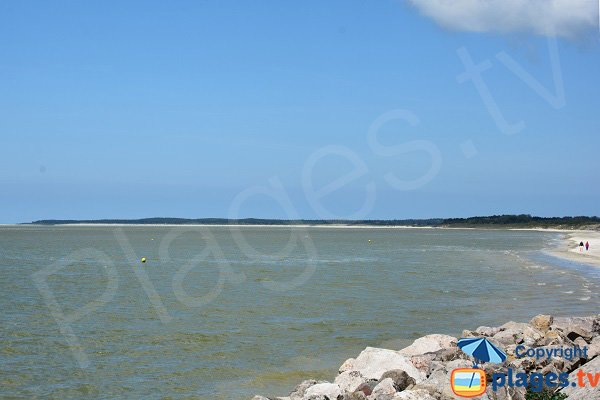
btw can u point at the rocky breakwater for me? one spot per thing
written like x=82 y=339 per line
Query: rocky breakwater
x=423 y=369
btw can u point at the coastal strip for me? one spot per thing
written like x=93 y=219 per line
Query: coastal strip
x=570 y=250
x=557 y=357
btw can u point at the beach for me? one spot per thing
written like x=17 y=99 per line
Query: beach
x=569 y=248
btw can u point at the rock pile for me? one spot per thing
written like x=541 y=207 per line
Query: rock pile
x=422 y=370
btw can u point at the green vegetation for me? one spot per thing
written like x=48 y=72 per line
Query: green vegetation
x=544 y=395
x=494 y=221
x=524 y=221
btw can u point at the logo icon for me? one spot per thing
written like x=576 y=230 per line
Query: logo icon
x=471 y=382
x=468 y=382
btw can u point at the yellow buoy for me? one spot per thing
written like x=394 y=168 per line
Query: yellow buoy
x=143 y=259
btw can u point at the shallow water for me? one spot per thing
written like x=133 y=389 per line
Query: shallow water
x=245 y=314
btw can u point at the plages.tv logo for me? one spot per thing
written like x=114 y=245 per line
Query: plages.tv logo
x=471 y=382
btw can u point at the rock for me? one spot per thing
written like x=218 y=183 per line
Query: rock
x=417 y=394
x=367 y=388
x=585 y=323
x=299 y=391
x=505 y=393
x=511 y=333
x=423 y=361
x=400 y=379
x=354 y=396
x=487 y=331
x=373 y=362
x=451 y=354
x=573 y=332
x=583 y=393
x=422 y=370
x=323 y=391
x=346 y=366
x=542 y=322
x=349 y=381
x=550 y=338
x=467 y=333
x=439 y=380
x=593 y=348
x=429 y=344
x=384 y=390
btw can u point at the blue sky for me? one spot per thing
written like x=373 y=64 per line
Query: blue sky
x=114 y=110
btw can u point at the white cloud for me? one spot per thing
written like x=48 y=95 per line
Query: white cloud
x=567 y=18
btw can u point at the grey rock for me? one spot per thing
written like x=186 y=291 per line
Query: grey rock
x=346 y=366
x=429 y=344
x=585 y=323
x=487 y=331
x=349 y=381
x=384 y=390
x=354 y=396
x=400 y=379
x=505 y=393
x=583 y=393
x=323 y=391
x=593 y=349
x=418 y=394
x=299 y=391
x=573 y=332
x=423 y=361
x=373 y=362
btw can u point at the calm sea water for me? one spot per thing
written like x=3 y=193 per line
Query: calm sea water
x=219 y=315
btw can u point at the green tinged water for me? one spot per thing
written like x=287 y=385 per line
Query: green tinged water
x=253 y=312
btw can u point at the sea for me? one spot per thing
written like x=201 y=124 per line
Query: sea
x=226 y=312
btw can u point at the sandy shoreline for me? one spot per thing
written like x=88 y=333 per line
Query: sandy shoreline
x=569 y=249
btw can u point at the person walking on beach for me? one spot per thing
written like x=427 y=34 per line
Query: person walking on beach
x=587 y=245
x=580 y=247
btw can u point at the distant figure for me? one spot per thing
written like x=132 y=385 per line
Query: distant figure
x=587 y=245
x=581 y=246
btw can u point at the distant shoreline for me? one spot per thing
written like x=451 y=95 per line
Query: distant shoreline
x=523 y=221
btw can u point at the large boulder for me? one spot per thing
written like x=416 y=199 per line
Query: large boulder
x=429 y=344
x=367 y=387
x=590 y=325
x=298 y=392
x=373 y=362
x=486 y=331
x=346 y=366
x=586 y=392
x=354 y=396
x=400 y=379
x=349 y=381
x=542 y=322
x=323 y=391
x=418 y=394
x=384 y=390
x=514 y=332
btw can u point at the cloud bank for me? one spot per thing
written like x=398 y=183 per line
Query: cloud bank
x=566 y=18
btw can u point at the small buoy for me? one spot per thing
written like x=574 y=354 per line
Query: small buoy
x=143 y=259
x=152 y=239
x=369 y=240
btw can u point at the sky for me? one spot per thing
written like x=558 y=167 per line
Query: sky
x=353 y=109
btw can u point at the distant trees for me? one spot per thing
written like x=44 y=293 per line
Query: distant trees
x=522 y=220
